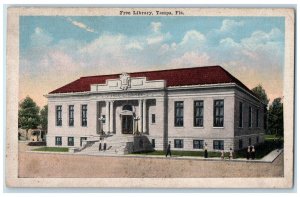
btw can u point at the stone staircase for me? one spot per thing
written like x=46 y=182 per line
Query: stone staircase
x=117 y=145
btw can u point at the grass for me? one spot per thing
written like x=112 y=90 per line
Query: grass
x=271 y=143
x=52 y=149
x=182 y=153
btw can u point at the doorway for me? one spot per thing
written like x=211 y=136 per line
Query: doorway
x=127 y=124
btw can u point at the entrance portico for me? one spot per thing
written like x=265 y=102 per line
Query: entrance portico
x=124 y=116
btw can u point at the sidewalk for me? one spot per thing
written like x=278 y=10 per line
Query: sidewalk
x=267 y=159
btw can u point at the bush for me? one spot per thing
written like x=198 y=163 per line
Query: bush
x=37 y=144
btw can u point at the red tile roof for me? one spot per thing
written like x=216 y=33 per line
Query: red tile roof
x=174 y=77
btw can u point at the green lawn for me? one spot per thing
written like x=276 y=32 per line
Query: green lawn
x=52 y=149
x=271 y=143
x=182 y=153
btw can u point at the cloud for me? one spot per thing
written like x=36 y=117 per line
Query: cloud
x=191 y=59
x=193 y=36
x=81 y=25
x=40 y=38
x=156 y=26
x=228 y=25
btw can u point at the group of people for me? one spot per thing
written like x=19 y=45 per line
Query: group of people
x=230 y=156
x=250 y=152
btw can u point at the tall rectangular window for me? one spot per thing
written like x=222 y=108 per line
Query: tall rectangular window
x=153 y=143
x=84 y=115
x=153 y=118
x=198 y=144
x=218 y=113
x=218 y=144
x=70 y=141
x=71 y=115
x=250 y=117
x=178 y=143
x=58 y=115
x=58 y=141
x=179 y=114
x=198 y=113
x=241 y=115
x=257 y=117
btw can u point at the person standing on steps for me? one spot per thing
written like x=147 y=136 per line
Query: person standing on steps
x=100 y=145
x=104 y=145
x=169 y=150
x=222 y=154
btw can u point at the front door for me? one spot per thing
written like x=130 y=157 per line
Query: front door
x=127 y=124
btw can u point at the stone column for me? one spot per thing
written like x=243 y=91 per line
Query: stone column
x=141 y=115
x=111 y=113
x=144 y=116
x=107 y=116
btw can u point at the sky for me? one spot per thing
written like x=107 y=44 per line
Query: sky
x=55 y=50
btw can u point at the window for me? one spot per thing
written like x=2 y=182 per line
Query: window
x=197 y=144
x=153 y=118
x=218 y=144
x=250 y=117
x=241 y=115
x=218 y=113
x=84 y=115
x=179 y=114
x=240 y=144
x=178 y=143
x=58 y=141
x=71 y=115
x=257 y=117
x=81 y=139
x=153 y=143
x=58 y=115
x=198 y=113
x=249 y=141
x=70 y=141
x=257 y=139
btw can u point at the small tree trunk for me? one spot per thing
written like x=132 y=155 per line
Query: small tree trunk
x=26 y=137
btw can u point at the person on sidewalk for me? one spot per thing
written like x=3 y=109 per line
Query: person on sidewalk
x=205 y=151
x=230 y=153
x=104 y=145
x=100 y=145
x=248 y=153
x=222 y=154
x=253 y=153
x=169 y=150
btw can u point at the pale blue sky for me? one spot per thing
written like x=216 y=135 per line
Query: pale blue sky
x=55 y=50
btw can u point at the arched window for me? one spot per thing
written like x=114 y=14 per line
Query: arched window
x=127 y=107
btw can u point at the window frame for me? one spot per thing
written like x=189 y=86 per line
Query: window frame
x=58 y=115
x=181 y=145
x=84 y=115
x=215 y=116
x=72 y=144
x=176 y=117
x=201 y=117
x=241 y=116
x=219 y=144
x=250 y=118
x=257 y=118
x=153 y=118
x=201 y=144
x=71 y=118
x=56 y=141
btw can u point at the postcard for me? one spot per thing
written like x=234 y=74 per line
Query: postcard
x=150 y=97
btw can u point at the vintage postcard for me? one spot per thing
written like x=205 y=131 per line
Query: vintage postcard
x=150 y=97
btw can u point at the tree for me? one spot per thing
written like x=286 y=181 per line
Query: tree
x=260 y=92
x=275 y=118
x=28 y=115
x=44 y=118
